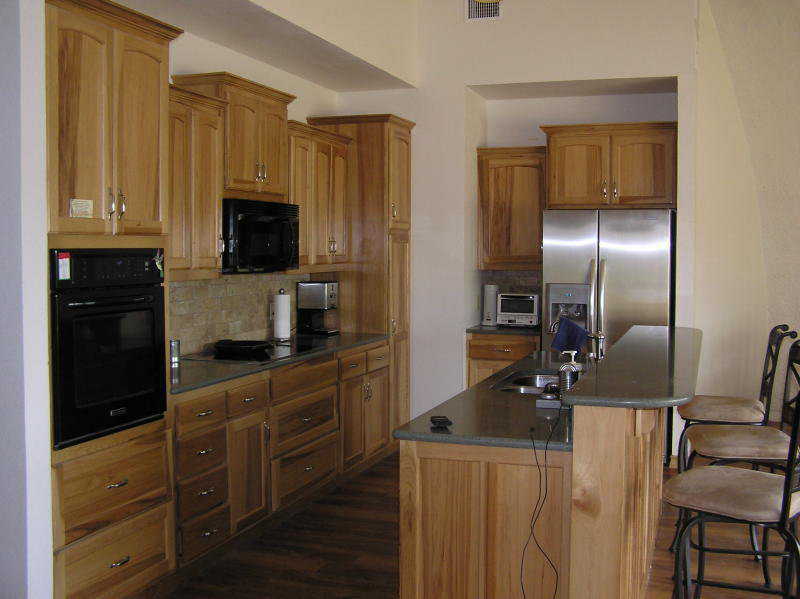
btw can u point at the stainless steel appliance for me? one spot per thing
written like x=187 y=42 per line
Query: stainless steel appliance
x=108 y=347
x=607 y=270
x=518 y=309
x=259 y=236
x=316 y=307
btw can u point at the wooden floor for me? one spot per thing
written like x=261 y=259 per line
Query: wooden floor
x=345 y=545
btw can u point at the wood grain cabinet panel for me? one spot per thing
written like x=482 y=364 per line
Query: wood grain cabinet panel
x=377 y=358
x=488 y=354
x=247 y=465
x=352 y=366
x=180 y=186
x=297 y=473
x=579 y=171
x=246 y=398
x=323 y=241
x=274 y=148
x=400 y=325
x=301 y=420
x=199 y=413
x=338 y=214
x=644 y=168
x=289 y=381
x=399 y=177
x=376 y=411
x=510 y=209
x=201 y=452
x=204 y=533
x=301 y=189
x=242 y=141
x=351 y=406
x=201 y=494
x=207 y=187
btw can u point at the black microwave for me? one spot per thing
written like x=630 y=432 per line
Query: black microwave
x=259 y=236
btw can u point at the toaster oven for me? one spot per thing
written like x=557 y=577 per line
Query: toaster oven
x=518 y=309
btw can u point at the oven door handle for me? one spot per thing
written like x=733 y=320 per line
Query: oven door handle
x=117 y=301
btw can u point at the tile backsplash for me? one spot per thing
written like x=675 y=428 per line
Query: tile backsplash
x=232 y=307
x=513 y=281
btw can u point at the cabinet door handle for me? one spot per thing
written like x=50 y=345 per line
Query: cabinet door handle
x=394 y=210
x=118 y=484
x=258 y=171
x=264 y=176
x=308 y=468
x=266 y=434
x=121 y=205
x=615 y=191
x=206 y=451
x=248 y=399
x=210 y=532
x=204 y=413
x=206 y=492
x=121 y=562
x=112 y=207
x=220 y=245
x=604 y=189
x=306 y=419
x=394 y=325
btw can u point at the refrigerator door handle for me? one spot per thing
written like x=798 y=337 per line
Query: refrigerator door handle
x=592 y=296
x=601 y=296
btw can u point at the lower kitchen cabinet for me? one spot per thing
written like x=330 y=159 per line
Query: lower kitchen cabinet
x=488 y=353
x=299 y=472
x=247 y=468
x=205 y=532
x=376 y=411
x=351 y=405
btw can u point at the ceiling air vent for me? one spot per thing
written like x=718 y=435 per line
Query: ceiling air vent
x=482 y=9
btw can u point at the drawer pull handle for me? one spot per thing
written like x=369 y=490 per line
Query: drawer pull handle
x=208 y=533
x=354 y=365
x=121 y=562
x=504 y=350
x=206 y=492
x=248 y=399
x=379 y=357
x=204 y=413
x=206 y=451
x=308 y=468
x=306 y=419
x=118 y=484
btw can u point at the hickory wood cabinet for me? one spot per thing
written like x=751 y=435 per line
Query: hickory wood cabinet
x=490 y=353
x=256 y=140
x=318 y=185
x=379 y=185
x=107 y=106
x=623 y=165
x=511 y=182
x=196 y=149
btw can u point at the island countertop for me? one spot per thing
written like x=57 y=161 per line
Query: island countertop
x=649 y=367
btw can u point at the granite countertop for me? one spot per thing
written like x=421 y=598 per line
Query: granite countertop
x=648 y=368
x=195 y=371
x=482 y=329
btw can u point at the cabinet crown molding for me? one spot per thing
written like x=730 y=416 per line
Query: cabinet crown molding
x=608 y=127
x=514 y=151
x=361 y=118
x=179 y=94
x=222 y=77
x=302 y=129
x=124 y=16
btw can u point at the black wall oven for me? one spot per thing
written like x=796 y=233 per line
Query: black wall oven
x=108 y=358
x=259 y=236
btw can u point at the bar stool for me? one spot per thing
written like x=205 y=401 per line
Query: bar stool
x=724 y=494
x=710 y=409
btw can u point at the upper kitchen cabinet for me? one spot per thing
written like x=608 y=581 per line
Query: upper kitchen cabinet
x=318 y=167
x=196 y=149
x=107 y=111
x=510 y=210
x=400 y=176
x=256 y=142
x=618 y=165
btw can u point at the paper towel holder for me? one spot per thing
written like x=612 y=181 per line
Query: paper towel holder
x=281 y=316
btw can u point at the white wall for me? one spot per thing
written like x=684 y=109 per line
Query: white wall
x=516 y=122
x=193 y=54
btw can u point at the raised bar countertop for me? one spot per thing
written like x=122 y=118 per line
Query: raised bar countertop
x=201 y=370
x=648 y=368
x=483 y=329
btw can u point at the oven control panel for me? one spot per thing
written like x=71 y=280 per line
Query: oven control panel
x=103 y=268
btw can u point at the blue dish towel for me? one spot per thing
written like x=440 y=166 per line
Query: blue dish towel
x=569 y=337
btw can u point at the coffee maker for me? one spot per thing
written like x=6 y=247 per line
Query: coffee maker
x=317 y=302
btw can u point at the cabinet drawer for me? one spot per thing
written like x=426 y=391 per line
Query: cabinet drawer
x=495 y=347
x=352 y=366
x=204 y=533
x=119 y=560
x=247 y=398
x=304 y=376
x=377 y=358
x=104 y=487
x=199 y=495
x=303 y=419
x=199 y=413
x=202 y=452
x=294 y=473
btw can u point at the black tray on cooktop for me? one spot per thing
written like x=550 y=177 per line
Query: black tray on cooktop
x=250 y=351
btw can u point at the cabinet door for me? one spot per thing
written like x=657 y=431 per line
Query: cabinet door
x=399 y=177
x=323 y=155
x=247 y=467
x=400 y=403
x=399 y=324
x=179 y=186
x=579 y=171
x=376 y=411
x=338 y=214
x=351 y=405
x=511 y=211
x=644 y=168
x=478 y=370
x=207 y=189
x=301 y=189
x=142 y=108
x=242 y=141
x=79 y=122
x=274 y=147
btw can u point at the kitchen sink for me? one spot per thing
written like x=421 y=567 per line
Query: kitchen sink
x=529 y=383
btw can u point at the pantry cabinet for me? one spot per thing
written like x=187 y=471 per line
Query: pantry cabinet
x=256 y=142
x=196 y=140
x=107 y=72
x=612 y=166
x=318 y=185
x=511 y=183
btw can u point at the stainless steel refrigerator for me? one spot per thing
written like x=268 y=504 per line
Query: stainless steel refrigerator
x=608 y=270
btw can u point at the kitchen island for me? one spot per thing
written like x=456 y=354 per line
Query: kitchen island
x=468 y=493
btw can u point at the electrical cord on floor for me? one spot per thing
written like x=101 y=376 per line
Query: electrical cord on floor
x=537 y=510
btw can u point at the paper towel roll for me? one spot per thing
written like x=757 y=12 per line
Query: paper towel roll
x=282 y=315
x=489 y=305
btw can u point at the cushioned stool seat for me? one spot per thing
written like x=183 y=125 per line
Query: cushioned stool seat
x=737 y=493
x=712 y=408
x=736 y=442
